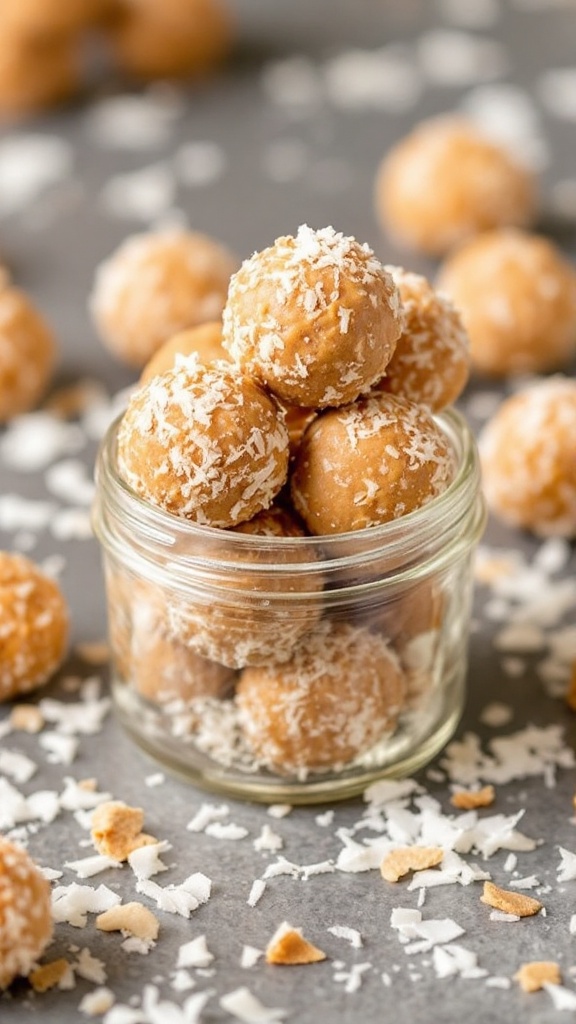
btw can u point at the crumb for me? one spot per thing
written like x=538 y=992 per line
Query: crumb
x=399 y=862
x=534 y=975
x=469 y=799
x=117 y=829
x=288 y=946
x=134 y=918
x=49 y=975
x=26 y=718
x=509 y=902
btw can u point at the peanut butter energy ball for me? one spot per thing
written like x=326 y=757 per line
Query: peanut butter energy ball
x=36 y=73
x=314 y=317
x=340 y=693
x=25 y=912
x=445 y=181
x=204 y=340
x=431 y=362
x=204 y=442
x=368 y=463
x=528 y=458
x=155 y=285
x=27 y=353
x=34 y=620
x=517 y=296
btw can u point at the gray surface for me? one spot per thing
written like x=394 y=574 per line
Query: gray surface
x=247 y=211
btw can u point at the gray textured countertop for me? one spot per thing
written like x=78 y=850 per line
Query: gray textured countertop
x=272 y=165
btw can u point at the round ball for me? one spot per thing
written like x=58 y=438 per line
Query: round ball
x=528 y=463
x=36 y=74
x=27 y=354
x=315 y=318
x=369 y=463
x=517 y=296
x=25 y=912
x=156 y=285
x=340 y=693
x=445 y=181
x=37 y=18
x=205 y=341
x=204 y=442
x=171 y=38
x=431 y=362
x=34 y=620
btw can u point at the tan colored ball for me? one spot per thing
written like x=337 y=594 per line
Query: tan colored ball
x=205 y=341
x=315 y=317
x=27 y=353
x=432 y=361
x=205 y=443
x=34 y=19
x=25 y=912
x=446 y=181
x=517 y=295
x=528 y=458
x=156 y=285
x=34 y=632
x=368 y=463
x=341 y=693
x=36 y=74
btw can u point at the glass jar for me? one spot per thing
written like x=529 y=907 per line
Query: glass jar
x=290 y=669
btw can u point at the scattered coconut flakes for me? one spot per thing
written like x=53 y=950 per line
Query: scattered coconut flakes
x=449 y=57
x=401 y=861
x=89 y=866
x=563 y=998
x=60 y=749
x=18 y=513
x=145 y=860
x=325 y=819
x=50 y=874
x=469 y=799
x=182 y=981
x=245 y=1007
x=528 y=882
x=206 y=814
x=532 y=976
x=350 y=935
x=76 y=796
x=72 y=903
x=200 y=162
x=194 y=953
x=520 y=636
x=389 y=790
x=288 y=946
x=279 y=810
x=572 y=925
x=455 y=960
x=32 y=441
x=43 y=805
x=90 y=967
x=122 y=1014
x=530 y=752
x=497 y=981
x=268 y=841
x=322 y=867
x=509 y=902
x=154 y=780
x=229 y=831
x=256 y=892
x=133 y=122
x=26 y=718
x=142 y=195
x=98 y=1002
x=567 y=867
x=48 y=976
x=352 y=978
x=97 y=652
x=557 y=91
x=281 y=866
x=14 y=807
x=83 y=717
x=17 y=766
x=117 y=829
x=71 y=524
x=250 y=956
x=30 y=164
x=377 y=79
x=70 y=480
x=178 y=899
x=131 y=919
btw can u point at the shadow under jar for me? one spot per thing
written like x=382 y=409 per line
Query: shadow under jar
x=290 y=669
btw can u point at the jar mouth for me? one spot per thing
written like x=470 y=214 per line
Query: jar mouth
x=141 y=532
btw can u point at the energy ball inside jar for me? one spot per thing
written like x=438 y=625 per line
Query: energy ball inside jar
x=368 y=463
x=25 y=912
x=205 y=341
x=34 y=629
x=528 y=459
x=340 y=693
x=204 y=442
x=517 y=296
x=156 y=285
x=280 y=602
x=431 y=362
x=446 y=181
x=314 y=317
x=27 y=354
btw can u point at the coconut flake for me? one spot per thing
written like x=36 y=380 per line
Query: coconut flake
x=194 y=953
x=244 y=1006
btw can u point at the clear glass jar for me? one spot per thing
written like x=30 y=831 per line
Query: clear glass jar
x=290 y=669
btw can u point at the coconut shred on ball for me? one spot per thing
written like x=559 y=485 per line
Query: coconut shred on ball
x=25 y=912
x=314 y=317
x=204 y=442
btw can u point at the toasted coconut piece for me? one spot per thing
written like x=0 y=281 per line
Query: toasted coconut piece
x=509 y=902
x=534 y=975
x=288 y=946
x=26 y=718
x=134 y=918
x=117 y=829
x=49 y=975
x=470 y=799
x=400 y=862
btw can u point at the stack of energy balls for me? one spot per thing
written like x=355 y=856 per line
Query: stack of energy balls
x=308 y=411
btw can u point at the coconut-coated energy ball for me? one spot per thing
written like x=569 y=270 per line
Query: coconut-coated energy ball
x=517 y=296
x=25 y=912
x=528 y=458
x=431 y=362
x=204 y=442
x=368 y=463
x=171 y=38
x=446 y=181
x=27 y=353
x=34 y=631
x=339 y=694
x=315 y=317
x=36 y=73
x=204 y=340
x=155 y=285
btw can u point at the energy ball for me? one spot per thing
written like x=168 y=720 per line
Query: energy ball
x=340 y=693
x=517 y=296
x=40 y=18
x=36 y=74
x=25 y=912
x=445 y=181
x=205 y=443
x=204 y=340
x=431 y=362
x=369 y=463
x=314 y=317
x=155 y=285
x=171 y=38
x=528 y=459
x=27 y=353
x=259 y=619
x=34 y=620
